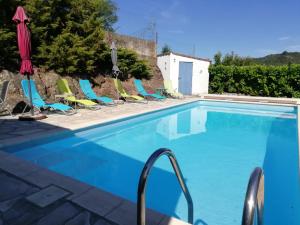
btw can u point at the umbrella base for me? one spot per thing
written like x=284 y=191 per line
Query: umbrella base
x=32 y=118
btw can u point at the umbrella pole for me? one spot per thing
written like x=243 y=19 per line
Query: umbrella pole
x=30 y=96
x=117 y=90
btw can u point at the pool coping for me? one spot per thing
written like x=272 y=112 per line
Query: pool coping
x=251 y=99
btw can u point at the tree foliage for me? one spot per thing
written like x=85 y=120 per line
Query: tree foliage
x=232 y=59
x=8 y=42
x=166 y=49
x=67 y=36
x=281 y=59
x=130 y=64
x=218 y=58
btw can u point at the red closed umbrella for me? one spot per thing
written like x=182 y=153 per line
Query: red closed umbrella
x=24 y=43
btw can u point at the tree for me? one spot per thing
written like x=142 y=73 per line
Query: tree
x=130 y=64
x=232 y=59
x=8 y=42
x=228 y=59
x=218 y=58
x=166 y=49
x=67 y=36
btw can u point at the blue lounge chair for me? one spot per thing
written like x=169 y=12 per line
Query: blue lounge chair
x=39 y=103
x=141 y=90
x=87 y=90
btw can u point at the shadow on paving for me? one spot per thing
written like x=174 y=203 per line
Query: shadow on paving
x=88 y=162
x=14 y=130
x=16 y=210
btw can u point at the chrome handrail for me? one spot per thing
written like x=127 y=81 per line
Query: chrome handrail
x=141 y=201
x=254 y=200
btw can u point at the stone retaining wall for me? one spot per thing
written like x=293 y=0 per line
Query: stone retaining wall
x=144 y=48
x=46 y=84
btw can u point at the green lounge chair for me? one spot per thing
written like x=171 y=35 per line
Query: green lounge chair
x=87 y=90
x=140 y=88
x=65 y=90
x=123 y=93
x=170 y=90
x=39 y=103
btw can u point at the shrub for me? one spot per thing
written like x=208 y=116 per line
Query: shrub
x=130 y=64
x=256 y=80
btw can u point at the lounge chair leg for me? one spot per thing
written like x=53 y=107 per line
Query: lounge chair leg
x=10 y=112
x=24 y=108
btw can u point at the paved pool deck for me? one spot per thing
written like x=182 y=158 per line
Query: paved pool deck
x=30 y=194
x=13 y=131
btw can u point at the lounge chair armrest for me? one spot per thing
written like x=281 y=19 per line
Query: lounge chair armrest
x=63 y=95
x=68 y=95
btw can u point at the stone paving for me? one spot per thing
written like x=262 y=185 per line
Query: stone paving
x=36 y=196
x=13 y=131
x=16 y=208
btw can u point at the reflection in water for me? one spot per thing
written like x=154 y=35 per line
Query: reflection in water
x=183 y=124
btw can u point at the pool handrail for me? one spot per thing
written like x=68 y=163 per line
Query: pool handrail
x=254 y=200
x=141 y=201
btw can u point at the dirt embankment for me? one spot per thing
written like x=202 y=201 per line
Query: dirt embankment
x=46 y=84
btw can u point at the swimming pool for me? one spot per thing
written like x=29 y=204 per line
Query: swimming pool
x=217 y=146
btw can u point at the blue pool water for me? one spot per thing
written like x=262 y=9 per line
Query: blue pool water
x=217 y=146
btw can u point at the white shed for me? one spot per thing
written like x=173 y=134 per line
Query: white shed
x=188 y=74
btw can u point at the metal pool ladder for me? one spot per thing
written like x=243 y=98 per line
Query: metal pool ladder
x=141 y=202
x=254 y=201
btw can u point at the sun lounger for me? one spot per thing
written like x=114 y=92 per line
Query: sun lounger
x=170 y=90
x=65 y=90
x=141 y=90
x=87 y=90
x=124 y=94
x=3 y=96
x=39 y=103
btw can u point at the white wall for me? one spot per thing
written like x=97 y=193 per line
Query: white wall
x=200 y=77
x=163 y=63
x=169 y=66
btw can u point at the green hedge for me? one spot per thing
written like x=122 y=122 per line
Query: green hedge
x=256 y=80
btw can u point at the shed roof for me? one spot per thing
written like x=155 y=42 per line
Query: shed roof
x=183 y=55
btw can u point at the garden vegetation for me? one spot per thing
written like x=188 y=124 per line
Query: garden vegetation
x=234 y=74
x=68 y=36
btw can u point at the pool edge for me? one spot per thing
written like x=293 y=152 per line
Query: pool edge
x=57 y=132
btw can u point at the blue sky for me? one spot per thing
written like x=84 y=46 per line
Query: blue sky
x=247 y=27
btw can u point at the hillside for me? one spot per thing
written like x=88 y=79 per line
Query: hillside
x=279 y=59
